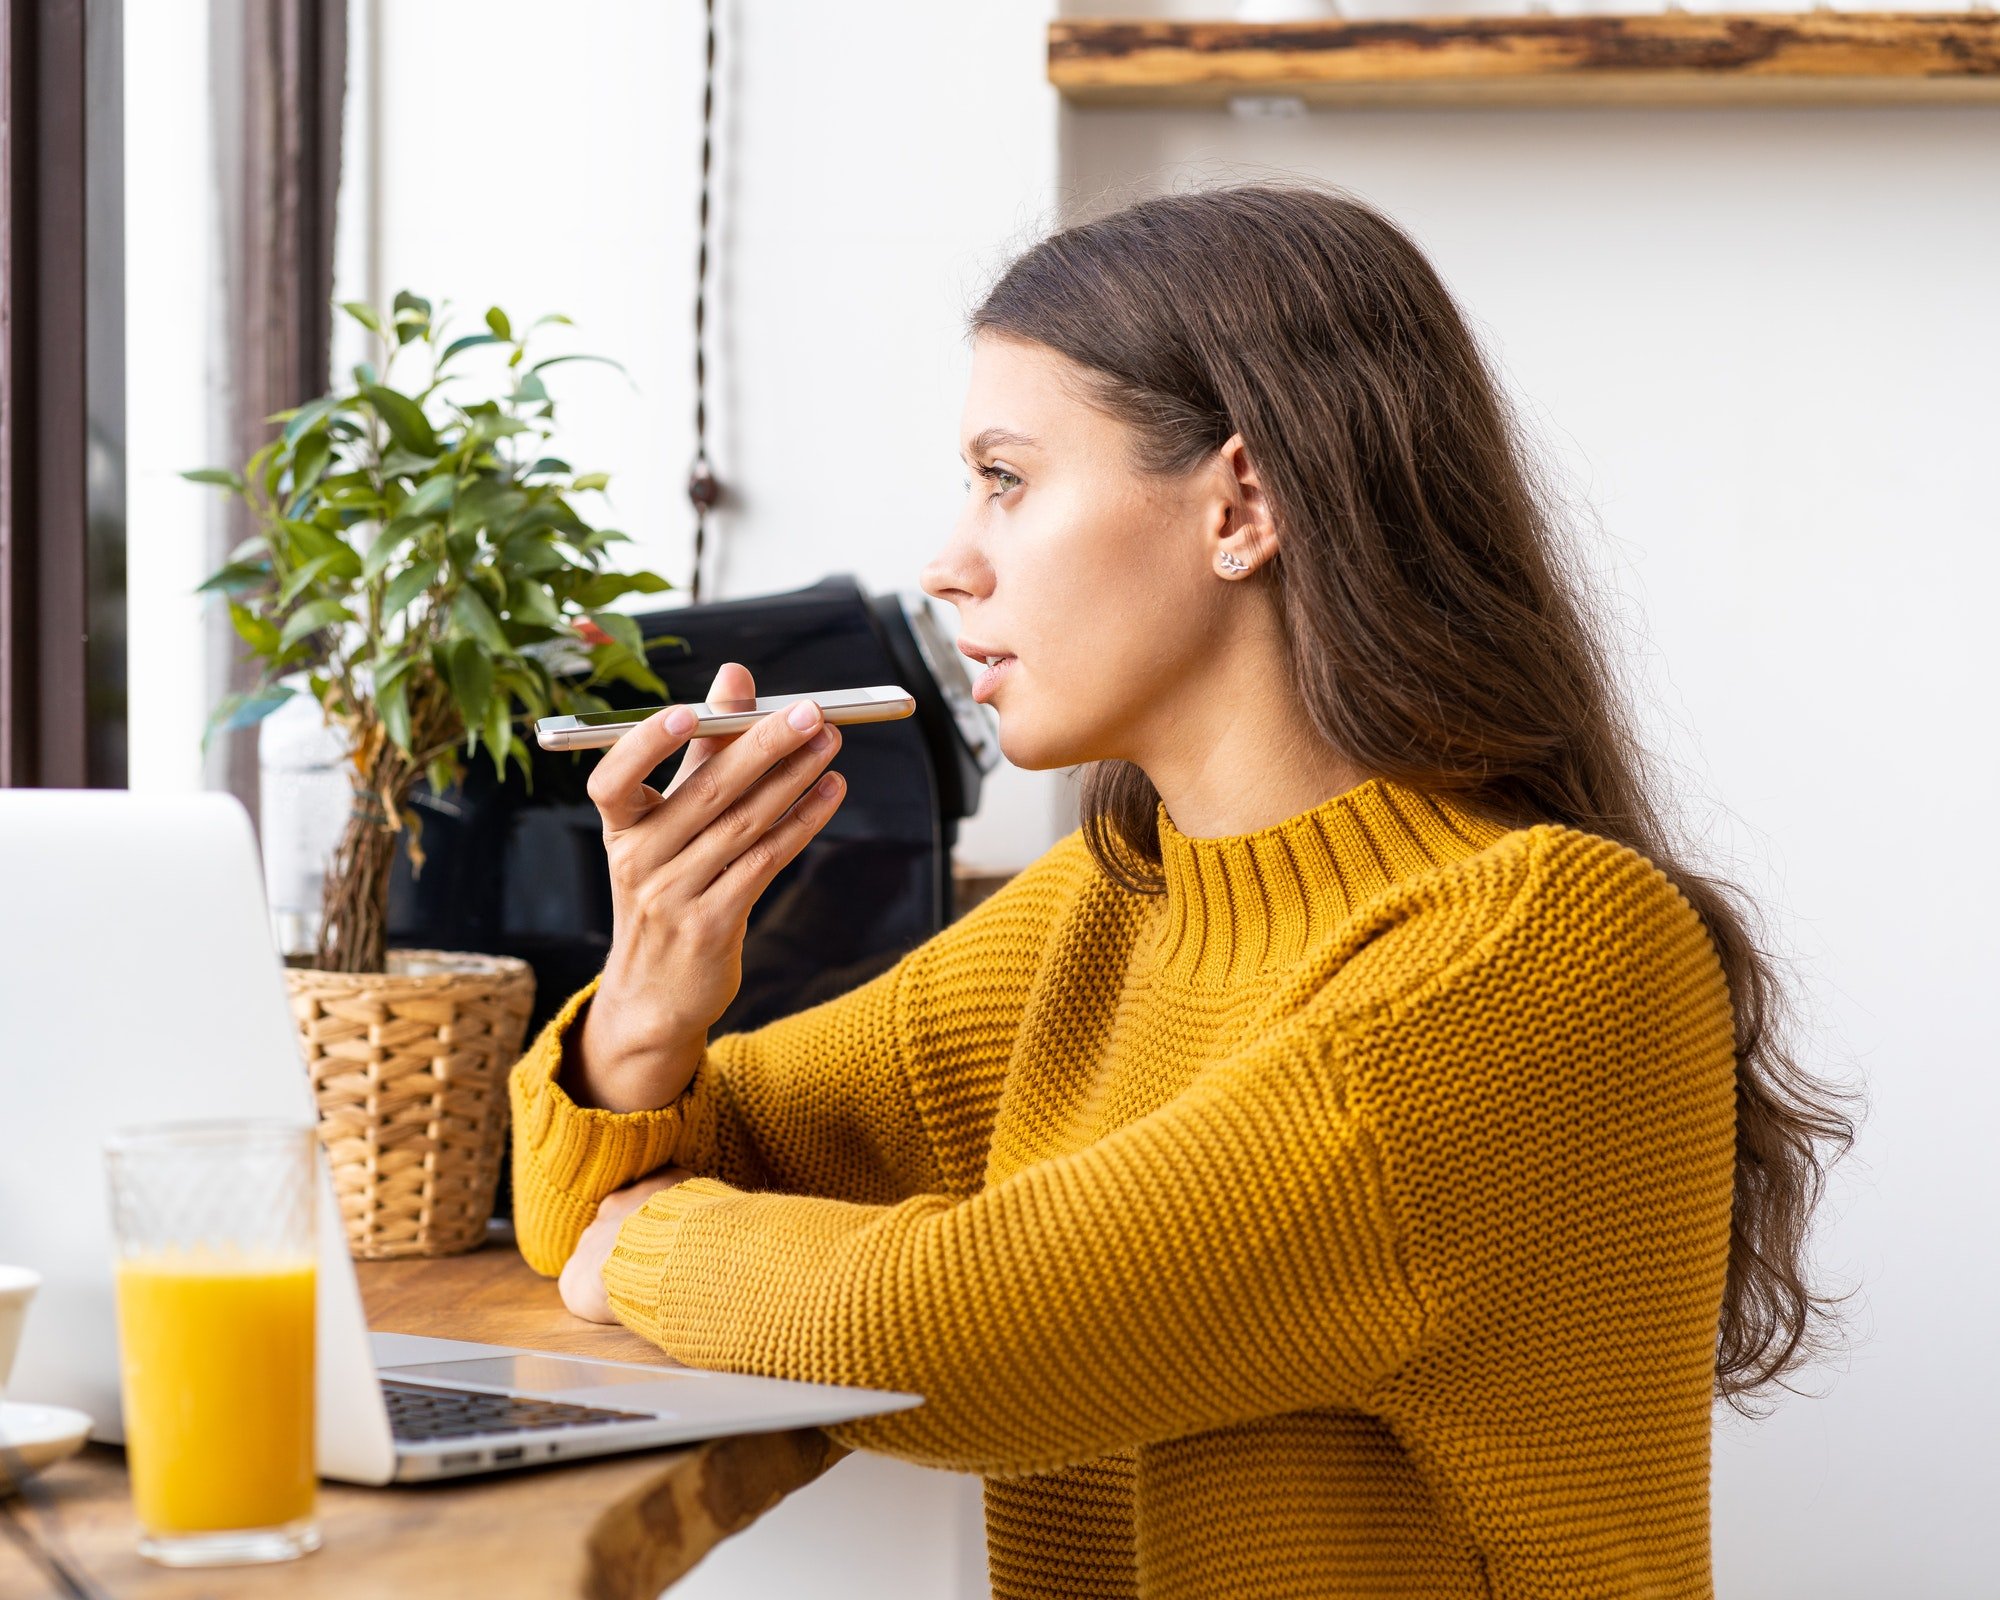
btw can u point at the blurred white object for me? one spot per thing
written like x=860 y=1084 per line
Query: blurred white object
x=1266 y=107
x=1404 y=10
x=1287 y=10
x=1754 y=6
x=305 y=795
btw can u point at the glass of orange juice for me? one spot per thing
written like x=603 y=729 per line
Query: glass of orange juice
x=214 y=1230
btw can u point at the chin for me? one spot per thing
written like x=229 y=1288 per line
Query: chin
x=1035 y=749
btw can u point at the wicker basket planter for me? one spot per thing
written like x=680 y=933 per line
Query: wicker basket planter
x=409 y=1068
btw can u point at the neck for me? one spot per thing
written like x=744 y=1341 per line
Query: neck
x=1234 y=750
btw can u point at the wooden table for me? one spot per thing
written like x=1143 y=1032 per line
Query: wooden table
x=620 y=1528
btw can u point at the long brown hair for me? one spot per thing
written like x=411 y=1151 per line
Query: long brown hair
x=1437 y=631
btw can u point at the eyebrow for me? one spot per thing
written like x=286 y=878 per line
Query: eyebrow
x=992 y=436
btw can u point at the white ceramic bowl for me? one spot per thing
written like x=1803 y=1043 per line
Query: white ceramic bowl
x=17 y=1288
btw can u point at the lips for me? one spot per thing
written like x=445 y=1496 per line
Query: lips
x=989 y=680
x=993 y=675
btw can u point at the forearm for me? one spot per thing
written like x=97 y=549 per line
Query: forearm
x=1035 y=1316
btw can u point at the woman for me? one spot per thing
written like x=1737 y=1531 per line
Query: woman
x=1338 y=1167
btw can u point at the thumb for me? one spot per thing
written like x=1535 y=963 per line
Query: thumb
x=732 y=682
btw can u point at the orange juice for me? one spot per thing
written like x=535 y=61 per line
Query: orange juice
x=217 y=1352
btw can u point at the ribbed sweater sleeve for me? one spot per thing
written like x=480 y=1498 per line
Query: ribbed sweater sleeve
x=879 y=1094
x=1242 y=1229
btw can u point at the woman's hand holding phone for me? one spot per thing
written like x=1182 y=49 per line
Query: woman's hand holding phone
x=686 y=866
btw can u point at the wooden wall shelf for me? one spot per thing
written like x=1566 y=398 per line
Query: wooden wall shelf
x=1661 y=58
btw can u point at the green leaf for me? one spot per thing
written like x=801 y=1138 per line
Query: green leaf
x=614 y=663
x=258 y=632
x=525 y=687
x=471 y=612
x=385 y=670
x=622 y=628
x=219 y=476
x=353 y=497
x=528 y=601
x=240 y=710
x=311 y=618
x=433 y=494
x=556 y=361
x=496 y=319
x=363 y=313
x=310 y=416
x=303 y=578
x=471 y=678
x=405 y=419
x=591 y=480
x=413 y=316
x=553 y=316
x=400 y=463
x=404 y=588
x=442 y=773
x=490 y=503
x=470 y=341
x=547 y=464
x=517 y=753
x=311 y=540
x=383 y=550
x=491 y=429
x=238 y=577
x=498 y=729
x=392 y=705
x=309 y=460
x=533 y=555
x=529 y=391
x=602 y=588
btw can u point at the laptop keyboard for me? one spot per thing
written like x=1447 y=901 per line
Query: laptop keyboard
x=417 y=1411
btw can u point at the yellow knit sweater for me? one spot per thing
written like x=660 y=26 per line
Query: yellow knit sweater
x=1351 y=1220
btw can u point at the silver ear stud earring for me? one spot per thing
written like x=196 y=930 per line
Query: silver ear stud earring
x=1232 y=562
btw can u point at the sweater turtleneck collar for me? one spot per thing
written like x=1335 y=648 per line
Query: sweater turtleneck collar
x=1251 y=903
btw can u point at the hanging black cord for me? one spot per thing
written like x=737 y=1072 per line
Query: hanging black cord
x=702 y=488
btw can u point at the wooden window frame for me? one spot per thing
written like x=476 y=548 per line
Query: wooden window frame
x=62 y=395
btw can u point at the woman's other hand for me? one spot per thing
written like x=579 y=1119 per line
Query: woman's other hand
x=582 y=1280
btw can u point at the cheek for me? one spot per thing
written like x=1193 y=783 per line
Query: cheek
x=1105 y=613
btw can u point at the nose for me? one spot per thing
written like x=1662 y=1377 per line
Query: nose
x=957 y=572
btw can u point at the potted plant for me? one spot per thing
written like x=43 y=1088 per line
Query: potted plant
x=421 y=567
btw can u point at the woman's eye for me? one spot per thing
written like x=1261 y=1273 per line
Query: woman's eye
x=1002 y=480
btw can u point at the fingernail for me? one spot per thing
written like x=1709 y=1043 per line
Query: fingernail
x=803 y=715
x=680 y=720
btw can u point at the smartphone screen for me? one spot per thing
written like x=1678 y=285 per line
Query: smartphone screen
x=731 y=706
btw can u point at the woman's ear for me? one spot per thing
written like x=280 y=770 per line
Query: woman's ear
x=1246 y=535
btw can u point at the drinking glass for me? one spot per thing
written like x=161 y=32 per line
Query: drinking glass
x=214 y=1230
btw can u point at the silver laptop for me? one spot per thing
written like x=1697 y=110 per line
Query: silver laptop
x=139 y=983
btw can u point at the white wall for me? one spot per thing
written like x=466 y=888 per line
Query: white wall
x=1763 y=345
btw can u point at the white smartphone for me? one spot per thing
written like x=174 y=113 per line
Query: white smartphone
x=883 y=703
